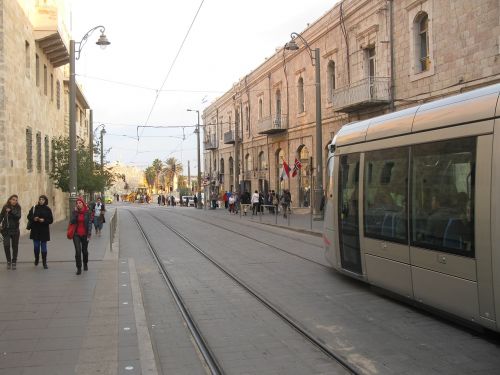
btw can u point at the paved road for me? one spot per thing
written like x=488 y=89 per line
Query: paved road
x=119 y=318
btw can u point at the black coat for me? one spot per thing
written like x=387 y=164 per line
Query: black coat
x=40 y=231
x=10 y=220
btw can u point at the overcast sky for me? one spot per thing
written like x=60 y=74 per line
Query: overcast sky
x=228 y=39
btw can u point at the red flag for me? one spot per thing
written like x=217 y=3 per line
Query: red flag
x=285 y=173
x=296 y=167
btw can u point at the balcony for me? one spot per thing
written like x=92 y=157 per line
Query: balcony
x=272 y=124
x=368 y=92
x=229 y=137
x=50 y=34
x=210 y=143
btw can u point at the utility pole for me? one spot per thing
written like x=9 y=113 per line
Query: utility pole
x=198 y=188
x=189 y=176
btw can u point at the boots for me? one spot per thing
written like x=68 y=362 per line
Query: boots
x=44 y=261
x=13 y=265
x=85 y=267
x=8 y=265
x=37 y=257
x=78 y=271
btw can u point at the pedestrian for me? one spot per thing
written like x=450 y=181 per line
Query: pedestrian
x=82 y=219
x=255 y=202
x=231 y=203
x=40 y=217
x=285 y=201
x=195 y=200
x=98 y=209
x=214 y=200
x=226 y=200
x=159 y=199
x=10 y=216
x=245 y=201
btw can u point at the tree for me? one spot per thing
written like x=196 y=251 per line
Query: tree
x=158 y=167
x=150 y=175
x=172 y=168
x=89 y=175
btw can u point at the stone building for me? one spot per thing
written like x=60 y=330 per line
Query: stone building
x=376 y=56
x=34 y=48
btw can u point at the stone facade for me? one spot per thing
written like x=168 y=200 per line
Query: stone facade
x=33 y=52
x=434 y=48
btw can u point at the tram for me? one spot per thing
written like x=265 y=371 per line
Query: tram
x=413 y=204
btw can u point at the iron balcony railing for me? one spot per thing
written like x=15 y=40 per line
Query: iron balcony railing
x=210 y=143
x=365 y=93
x=272 y=124
x=229 y=137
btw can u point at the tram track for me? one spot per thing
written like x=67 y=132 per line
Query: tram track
x=200 y=341
x=260 y=241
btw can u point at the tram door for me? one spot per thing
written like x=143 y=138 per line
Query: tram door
x=350 y=253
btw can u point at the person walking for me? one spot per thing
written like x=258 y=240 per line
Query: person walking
x=10 y=216
x=40 y=217
x=195 y=200
x=98 y=209
x=81 y=218
x=255 y=202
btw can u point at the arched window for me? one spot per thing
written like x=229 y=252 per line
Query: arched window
x=231 y=170
x=300 y=95
x=260 y=109
x=247 y=118
x=422 y=40
x=221 y=172
x=278 y=104
x=262 y=161
x=248 y=162
x=331 y=79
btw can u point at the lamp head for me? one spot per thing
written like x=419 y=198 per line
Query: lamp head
x=103 y=131
x=291 y=45
x=103 y=42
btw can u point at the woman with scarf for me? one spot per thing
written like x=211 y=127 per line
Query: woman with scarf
x=82 y=219
x=40 y=217
x=10 y=215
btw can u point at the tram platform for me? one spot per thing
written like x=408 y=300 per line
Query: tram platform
x=55 y=322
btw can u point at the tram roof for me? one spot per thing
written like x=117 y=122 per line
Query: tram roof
x=454 y=110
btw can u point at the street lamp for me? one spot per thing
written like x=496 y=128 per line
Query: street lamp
x=74 y=54
x=315 y=60
x=197 y=131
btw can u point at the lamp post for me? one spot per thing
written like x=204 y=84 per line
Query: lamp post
x=315 y=60
x=197 y=131
x=74 y=54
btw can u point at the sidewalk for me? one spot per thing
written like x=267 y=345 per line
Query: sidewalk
x=300 y=219
x=55 y=322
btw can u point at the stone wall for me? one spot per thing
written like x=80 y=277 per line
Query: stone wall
x=26 y=106
x=463 y=54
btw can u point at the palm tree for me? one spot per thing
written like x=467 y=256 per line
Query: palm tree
x=172 y=168
x=158 y=167
x=150 y=174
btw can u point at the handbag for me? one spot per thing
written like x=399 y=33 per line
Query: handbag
x=28 y=225
x=70 y=232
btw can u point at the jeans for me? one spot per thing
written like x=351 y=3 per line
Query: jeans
x=37 y=244
x=6 y=246
x=98 y=222
x=81 y=246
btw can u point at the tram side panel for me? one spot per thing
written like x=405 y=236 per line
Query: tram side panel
x=495 y=216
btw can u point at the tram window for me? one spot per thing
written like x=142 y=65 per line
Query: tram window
x=385 y=194
x=442 y=198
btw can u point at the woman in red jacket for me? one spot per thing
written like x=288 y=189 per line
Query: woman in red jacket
x=81 y=217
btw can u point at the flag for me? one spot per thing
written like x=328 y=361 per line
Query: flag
x=296 y=167
x=285 y=172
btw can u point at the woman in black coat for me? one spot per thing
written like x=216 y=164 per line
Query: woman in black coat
x=40 y=217
x=10 y=215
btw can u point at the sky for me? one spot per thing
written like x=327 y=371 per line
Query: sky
x=228 y=39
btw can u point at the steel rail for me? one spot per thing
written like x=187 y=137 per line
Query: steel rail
x=259 y=241
x=284 y=316
x=209 y=357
